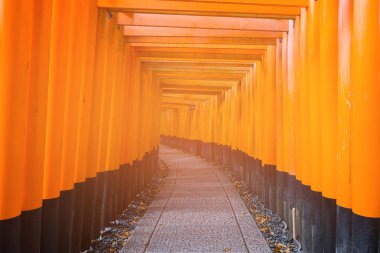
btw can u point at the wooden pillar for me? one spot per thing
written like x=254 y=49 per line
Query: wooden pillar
x=54 y=124
x=68 y=219
x=285 y=114
x=279 y=106
x=36 y=128
x=328 y=97
x=343 y=105
x=16 y=36
x=314 y=99
x=290 y=99
x=365 y=125
x=343 y=182
x=328 y=117
x=270 y=106
x=87 y=119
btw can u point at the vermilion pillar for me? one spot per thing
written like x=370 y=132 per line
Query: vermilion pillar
x=343 y=182
x=270 y=106
x=71 y=196
x=279 y=132
x=16 y=22
x=285 y=113
x=365 y=125
x=365 y=117
x=344 y=105
x=304 y=168
x=36 y=127
x=328 y=88
x=290 y=99
x=54 y=123
x=314 y=126
x=314 y=98
x=328 y=101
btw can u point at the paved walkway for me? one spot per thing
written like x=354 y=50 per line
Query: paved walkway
x=198 y=210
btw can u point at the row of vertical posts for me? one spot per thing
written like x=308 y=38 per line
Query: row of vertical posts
x=310 y=109
x=72 y=152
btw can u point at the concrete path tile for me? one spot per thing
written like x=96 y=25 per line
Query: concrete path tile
x=198 y=210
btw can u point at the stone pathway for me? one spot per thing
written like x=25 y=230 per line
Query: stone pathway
x=198 y=210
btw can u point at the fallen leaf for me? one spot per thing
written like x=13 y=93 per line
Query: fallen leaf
x=277 y=249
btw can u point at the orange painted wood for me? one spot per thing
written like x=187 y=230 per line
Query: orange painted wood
x=270 y=107
x=285 y=105
x=302 y=174
x=56 y=98
x=344 y=187
x=200 y=8
x=290 y=100
x=328 y=86
x=314 y=99
x=196 y=32
x=37 y=106
x=365 y=102
x=279 y=107
x=83 y=156
x=190 y=21
x=15 y=58
x=260 y=51
x=98 y=87
x=299 y=3
x=76 y=43
x=201 y=40
x=297 y=100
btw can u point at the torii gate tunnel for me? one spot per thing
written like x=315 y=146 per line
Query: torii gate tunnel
x=285 y=92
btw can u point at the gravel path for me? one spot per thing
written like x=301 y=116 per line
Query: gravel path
x=197 y=210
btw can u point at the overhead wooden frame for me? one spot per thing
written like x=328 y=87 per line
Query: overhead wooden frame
x=199 y=56
x=182 y=78
x=205 y=46
x=175 y=50
x=171 y=65
x=193 y=75
x=293 y=3
x=150 y=31
x=227 y=9
x=195 y=83
x=201 y=40
x=184 y=98
x=199 y=92
x=188 y=98
x=209 y=22
x=211 y=83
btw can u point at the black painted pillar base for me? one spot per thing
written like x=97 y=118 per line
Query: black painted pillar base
x=89 y=212
x=290 y=199
x=31 y=231
x=272 y=187
x=365 y=234
x=328 y=225
x=343 y=230
x=253 y=175
x=299 y=199
x=98 y=219
x=10 y=233
x=65 y=221
x=280 y=182
x=49 y=230
x=307 y=219
x=76 y=235
x=316 y=229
